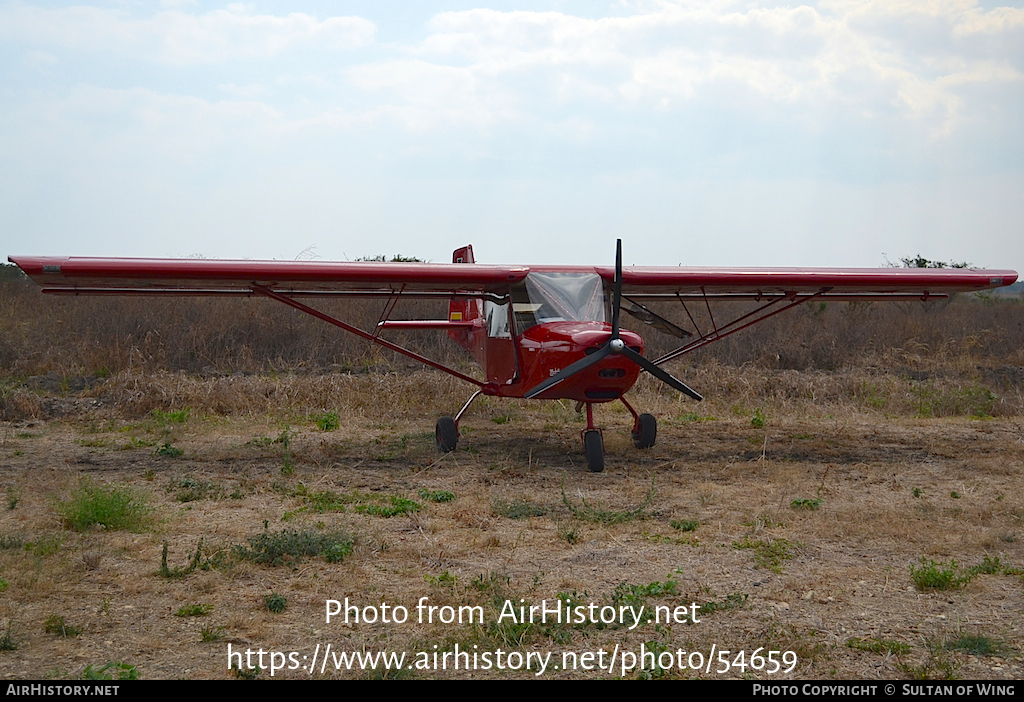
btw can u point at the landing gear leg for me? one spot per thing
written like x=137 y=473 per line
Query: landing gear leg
x=593 y=443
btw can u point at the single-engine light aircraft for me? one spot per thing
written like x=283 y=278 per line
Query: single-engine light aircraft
x=543 y=332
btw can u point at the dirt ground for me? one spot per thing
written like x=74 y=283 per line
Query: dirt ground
x=832 y=545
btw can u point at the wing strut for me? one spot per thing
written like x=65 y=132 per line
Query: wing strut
x=274 y=295
x=735 y=325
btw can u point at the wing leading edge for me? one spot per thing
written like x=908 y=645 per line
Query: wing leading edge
x=216 y=277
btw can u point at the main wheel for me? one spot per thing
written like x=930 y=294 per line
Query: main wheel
x=447 y=434
x=593 y=446
x=646 y=433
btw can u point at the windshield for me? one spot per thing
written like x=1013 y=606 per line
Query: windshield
x=558 y=297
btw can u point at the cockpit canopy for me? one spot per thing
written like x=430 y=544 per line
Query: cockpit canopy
x=549 y=297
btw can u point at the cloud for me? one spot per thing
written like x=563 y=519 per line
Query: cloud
x=180 y=38
x=432 y=95
x=908 y=61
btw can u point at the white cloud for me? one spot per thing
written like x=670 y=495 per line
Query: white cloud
x=435 y=95
x=837 y=56
x=179 y=38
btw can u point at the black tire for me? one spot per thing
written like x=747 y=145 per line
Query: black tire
x=593 y=446
x=447 y=434
x=645 y=436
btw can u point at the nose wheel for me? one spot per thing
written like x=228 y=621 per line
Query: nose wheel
x=593 y=447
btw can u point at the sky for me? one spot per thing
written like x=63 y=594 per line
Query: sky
x=836 y=133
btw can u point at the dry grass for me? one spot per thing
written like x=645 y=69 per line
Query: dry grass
x=891 y=488
x=82 y=336
x=836 y=449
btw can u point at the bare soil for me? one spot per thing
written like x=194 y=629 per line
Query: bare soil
x=810 y=519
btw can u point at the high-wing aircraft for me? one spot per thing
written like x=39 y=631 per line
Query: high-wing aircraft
x=544 y=332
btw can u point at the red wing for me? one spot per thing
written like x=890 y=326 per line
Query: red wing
x=207 y=276
x=126 y=275
x=853 y=283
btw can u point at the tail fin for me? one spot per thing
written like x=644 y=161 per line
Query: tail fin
x=463 y=309
x=464 y=255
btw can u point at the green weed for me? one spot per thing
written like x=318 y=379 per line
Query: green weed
x=690 y=417
x=290 y=546
x=211 y=633
x=109 y=506
x=628 y=595
x=769 y=554
x=808 y=504
x=395 y=506
x=759 y=420
x=444 y=581
x=173 y=417
x=684 y=524
x=569 y=534
x=8 y=641
x=327 y=421
x=194 y=610
x=939 y=576
x=437 y=495
x=972 y=401
x=247 y=673
x=936 y=667
x=190 y=490
x=55 y=624
x=45 y=546
x=655 y=671
x=111 y=671
x=275 y=603
x=376 y=504
x=977 y=645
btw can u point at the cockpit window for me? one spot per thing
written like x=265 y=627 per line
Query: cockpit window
x=558 y=297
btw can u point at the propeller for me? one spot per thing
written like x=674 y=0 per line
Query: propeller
x=615 y=345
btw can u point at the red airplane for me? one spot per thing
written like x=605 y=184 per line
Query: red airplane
x=545 y=332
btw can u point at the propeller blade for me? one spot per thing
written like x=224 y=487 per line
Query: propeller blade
x=571 y=369
x=660 y=374
x=617 y=289
x=653 y=320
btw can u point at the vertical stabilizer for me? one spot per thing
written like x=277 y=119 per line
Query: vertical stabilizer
x=462 y=309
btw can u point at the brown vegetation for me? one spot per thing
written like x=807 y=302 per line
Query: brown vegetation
x=849 y=491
